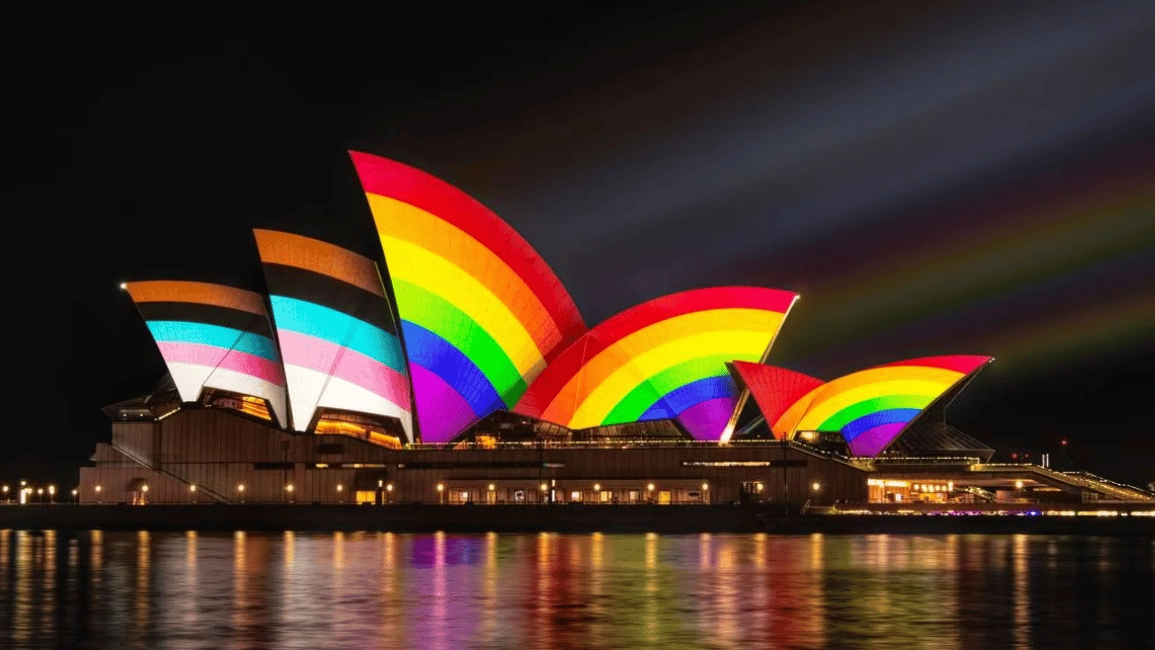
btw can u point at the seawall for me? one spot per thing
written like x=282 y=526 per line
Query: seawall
x=562 y=519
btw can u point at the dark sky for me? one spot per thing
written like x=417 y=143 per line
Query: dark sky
x=932 y=177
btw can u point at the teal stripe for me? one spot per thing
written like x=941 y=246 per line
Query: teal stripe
x=336 y=327
x=215 y=335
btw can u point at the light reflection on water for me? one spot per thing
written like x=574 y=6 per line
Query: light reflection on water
x=361 y=590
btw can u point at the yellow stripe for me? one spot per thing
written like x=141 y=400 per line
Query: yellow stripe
x=926 y=381
x=440 y=276
x=446 y=240
x=610 y=360
x=605 y=396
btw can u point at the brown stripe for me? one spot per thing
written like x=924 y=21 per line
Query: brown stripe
x=319 y=257
x=196 y=292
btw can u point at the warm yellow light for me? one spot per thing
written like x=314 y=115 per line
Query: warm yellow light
x=544 y=487
x=1018 y=485
x=39 y=490
x=950 y=486
x=380 y=483
x=440 y=487
x=23 y=483
x=491 y=487
x=758 y=486
x=289 y=488
x=389 y=488
x=192 y=488
x=52 y=489
x=5 y=489
x=815 y=486
x=705 y=486
x=123 y=286
x=144 y=488
x=340 y=487
x=241 y=487
x=98 y=488
x=650 y=487
x=597 y=487
x=74 y=492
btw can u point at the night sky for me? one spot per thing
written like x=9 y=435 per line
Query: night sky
x=933 y=178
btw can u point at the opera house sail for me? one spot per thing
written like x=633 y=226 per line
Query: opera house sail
x=869 y=408
x=213 y=336
x=336 y=332
x=662 y=359
x=481 y=313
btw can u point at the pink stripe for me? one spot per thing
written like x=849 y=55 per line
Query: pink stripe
x=352 y=366
x=211 y=356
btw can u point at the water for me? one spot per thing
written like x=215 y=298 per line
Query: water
x=365 y=590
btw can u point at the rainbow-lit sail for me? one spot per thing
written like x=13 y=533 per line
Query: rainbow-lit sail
x=665 y=358
x=335 y=330
x=213 y=336
x=481 y=312
x=872 y=407
x=774 y=389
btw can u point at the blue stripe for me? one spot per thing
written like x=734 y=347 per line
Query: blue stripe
x=215 y=335
x=691 y=394
x=339 y=328
x=856 y=427
x=440 y=357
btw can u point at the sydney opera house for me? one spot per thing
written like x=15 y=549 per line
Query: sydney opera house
x=464 y=373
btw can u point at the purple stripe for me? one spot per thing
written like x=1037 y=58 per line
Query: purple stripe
x=872 y=441
x=441 y=411
x=214 y=357
x=706 y=420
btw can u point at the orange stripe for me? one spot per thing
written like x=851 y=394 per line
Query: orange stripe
x=196 y=292
x=320 y=257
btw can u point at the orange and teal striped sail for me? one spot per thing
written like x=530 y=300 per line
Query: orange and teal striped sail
x=481 y=312
x=872 y=407
x=665 y=358
x=335 y=329
x=213 y=336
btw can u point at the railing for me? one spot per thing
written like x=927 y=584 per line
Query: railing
x=1077 y=479
x=165 y=472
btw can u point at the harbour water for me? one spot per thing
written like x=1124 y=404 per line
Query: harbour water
x=366 y=590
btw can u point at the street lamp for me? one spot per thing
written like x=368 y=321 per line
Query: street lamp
x=816 y=486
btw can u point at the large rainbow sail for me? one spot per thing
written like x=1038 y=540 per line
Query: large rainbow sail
x=213 y=336
x=665 y=358
x=335 y=330
x=872 y=407
x=481 y=312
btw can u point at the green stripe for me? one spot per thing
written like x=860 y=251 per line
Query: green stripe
x=649 y=391
x=854 y=411
x=434 y=313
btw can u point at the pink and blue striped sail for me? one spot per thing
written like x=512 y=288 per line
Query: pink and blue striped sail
x=336 y=331
x=213 y=336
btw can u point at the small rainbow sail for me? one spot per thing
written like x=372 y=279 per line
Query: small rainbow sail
x=335 y=329
x=665 y=358
x=870 y=408
x=213 y=336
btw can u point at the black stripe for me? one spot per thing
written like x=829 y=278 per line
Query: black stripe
x=341 y=296
x=195 y=312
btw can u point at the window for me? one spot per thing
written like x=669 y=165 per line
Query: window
x=575 y=496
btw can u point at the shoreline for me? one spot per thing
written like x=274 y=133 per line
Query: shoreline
x=561 y=519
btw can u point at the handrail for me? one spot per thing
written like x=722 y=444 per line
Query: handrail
x=156 y=468
x=1078 y=479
